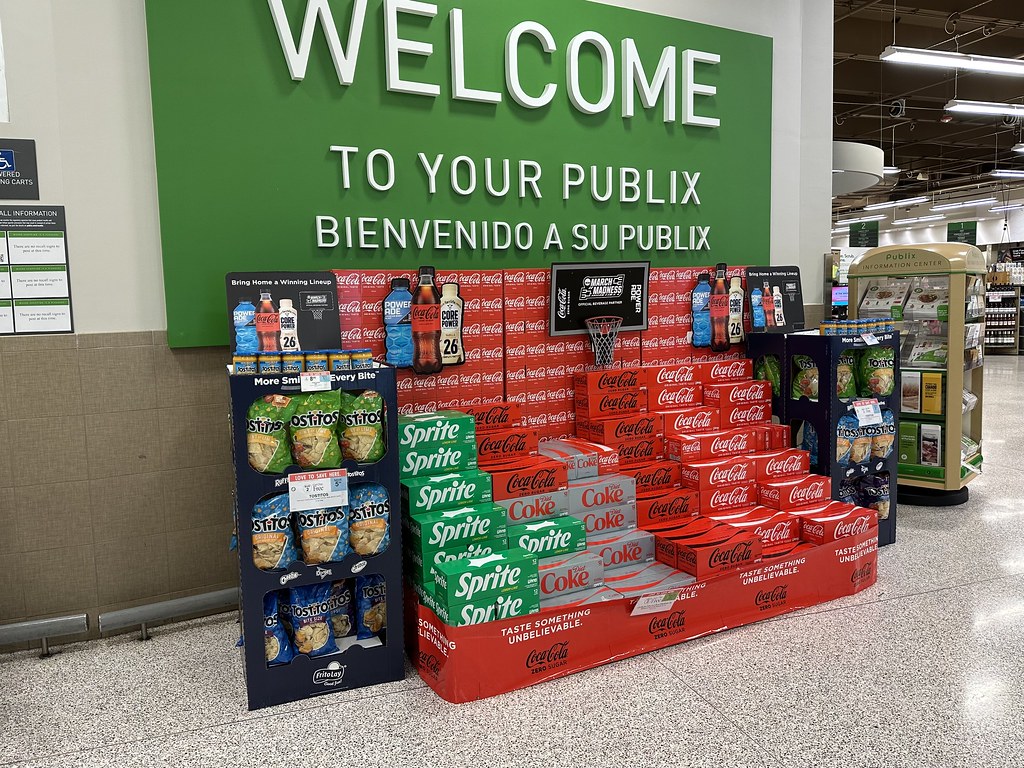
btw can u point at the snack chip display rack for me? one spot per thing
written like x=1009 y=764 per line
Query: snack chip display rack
x=359 y=662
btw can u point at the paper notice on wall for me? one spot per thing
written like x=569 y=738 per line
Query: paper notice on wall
x=35 y=283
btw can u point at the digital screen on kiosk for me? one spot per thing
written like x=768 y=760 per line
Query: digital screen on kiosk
x=840 y=296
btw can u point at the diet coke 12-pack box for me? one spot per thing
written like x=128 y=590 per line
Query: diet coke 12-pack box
x=570 y=573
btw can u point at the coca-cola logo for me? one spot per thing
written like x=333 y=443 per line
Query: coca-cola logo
x=695 y=422
x=659 y=477
x=630 y=341
x=853 y=527
x=372 y=307
x=574 y=578
x=629 y=552
x=490 y=329
x=515 y=278
x=404 y=385
x=772 y=597
x=557 y=394
x=669 y=508
x=536 y=326
x=600 y=497
x=514 y=444
x=726 y=557
x=782 y=531
x=537 y=302
x=491 y=277
x=470 y=279
x=497 y=416
x=375 y=279
x=556 y=655
x=540 y=480
x=732 y=370
x=529 y=510
x=470 y=305
x=515 y=374
x=348 y=279
x=730 y=475
x=490 y=353
x=732 y=497
x=609 y=520
x=862 y=574
x=755 y=412
x=576 y=347
x=618 y=380
x=353 y=335
x=516 y=302
x=684 y=374
x=537 y=277
x=377 y=333
x=674 y=622
x=644 y=449
x=491 y=304
x=469 y=379
x=813 y=491
x=430 y=663
x=753 y=392
x=687 y=396
x=557 y=371
x=788 y=465
x=622 y=402
x=351 y=308
x=494 y=377
x=632 y=430
x=535 y=350
x=451 y=380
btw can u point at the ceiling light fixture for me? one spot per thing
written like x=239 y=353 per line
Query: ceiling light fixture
x=1017 y=148
x=964 y=204
x=860 y=220
x=985 y=108
x=1007 y=173
x=920 y=219
x=896 y=203
x=1010 y=207
x=948 y=60
x=890 y=170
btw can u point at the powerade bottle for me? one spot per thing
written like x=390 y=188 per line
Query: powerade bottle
x=244 y=320
x=699 y=300
x=398 y=324
x=757 y=319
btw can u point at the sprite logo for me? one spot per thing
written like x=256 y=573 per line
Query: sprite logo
x=473 y=526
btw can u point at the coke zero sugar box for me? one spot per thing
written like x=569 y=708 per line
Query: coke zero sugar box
x=623 y=549
x=571 y=573
x=709 y=555
x=774 y=527
x=606 y=520
x=435 y=492
x=549 y=538
x=491 y=417
x=599 y=404
x=800 y=492
x=709 y=445
x=738 y=393
x=485 y=578
x=507 y=606
x=835 y=520
x=437 y=460
x=777 y=465
x=655 y=479
x=600 y=594
x=707 y=475
x=421 y=565
x=728 y=497
x=740 y=414
x=642 y=451
x=501 y=446
x=443 y=528
x=785 y=551
x=622 y=429
x=531 y=509
x=649 y=577
x=672 y=507
x=528 y=477
x=600 y=492
x=701 y=418
x=617 y=380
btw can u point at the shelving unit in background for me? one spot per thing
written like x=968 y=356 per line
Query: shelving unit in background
x=1002 y=318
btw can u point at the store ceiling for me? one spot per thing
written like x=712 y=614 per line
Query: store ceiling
x=934 y=155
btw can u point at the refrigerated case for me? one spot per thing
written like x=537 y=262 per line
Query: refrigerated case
x=935 y=296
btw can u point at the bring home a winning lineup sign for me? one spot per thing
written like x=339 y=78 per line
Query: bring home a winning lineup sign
x=582 y=291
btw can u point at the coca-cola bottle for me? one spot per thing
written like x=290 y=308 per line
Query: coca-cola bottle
x=268 y=324
x=769 y=305
x=718 y=306
x=425 y=317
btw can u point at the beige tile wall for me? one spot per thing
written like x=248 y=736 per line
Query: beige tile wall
x=115 y=473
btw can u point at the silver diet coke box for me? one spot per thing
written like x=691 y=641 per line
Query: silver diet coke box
x=597 y=492
x=533 y=509
x=570 y=573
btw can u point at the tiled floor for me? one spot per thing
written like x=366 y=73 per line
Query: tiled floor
x=924 y=669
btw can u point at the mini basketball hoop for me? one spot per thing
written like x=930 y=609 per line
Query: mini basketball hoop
x=318 y=314
x=603 y=332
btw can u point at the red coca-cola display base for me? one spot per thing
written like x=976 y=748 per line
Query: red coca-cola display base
x=470 y=663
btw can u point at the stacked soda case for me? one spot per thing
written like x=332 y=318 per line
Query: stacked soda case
x=458 y=556
x=319 y=584
x=828 y=374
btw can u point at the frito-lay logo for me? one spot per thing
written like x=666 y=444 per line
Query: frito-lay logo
x=545 y=657
x=674 y=622
x=618 y=380
x=862 y=574
x=330 y=675
x=772 y=597
x=739 y=553
x=541 y=480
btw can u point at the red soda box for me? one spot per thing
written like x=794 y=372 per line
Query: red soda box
x=621 y=550
x=722 y=372
x=728 y=497
x=702 y=418
x=605 y=521
x=642 y=451
x=776 y=465
x=592 y=596
x=566 y=574
x=741 y=414
x=581 y=458
x=779 y=436
x=672 y=507
x=504 y=446
x=494 y=417
x=650 y=577
x=834 y=521
x=774 y=527
x=799 y=492
x=532 y=509
x=707 y=445
x=623 y=429
x=528 y=477
x=660 y=376
x=601 y=492
x=738 y=393
x=674 y=397
x=654 y=479
x=706 y=556
x=617 y=380
x=715 y=473
x=607 y=403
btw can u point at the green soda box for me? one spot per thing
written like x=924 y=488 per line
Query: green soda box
x=437 y=460
x=507 y=606
x=421 y=566
x=477 y=579
x=450 y=491
x=429 y=531
x=547 y=538
x=426 y=431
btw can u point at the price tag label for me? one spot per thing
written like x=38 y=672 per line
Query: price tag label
x=315 y=382
x=868 y=412
x=316 y=490
x=655 y=602
x=870 y=339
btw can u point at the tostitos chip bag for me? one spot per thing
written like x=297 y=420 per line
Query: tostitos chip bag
x=767 y=368
x=309 y=616
x=276 y=645
x=266 y=429
x=846 y=379
x=362 y=426
x=312 y=427
x=847 y=432
x=876 y=374
x=369 y=513
x=371 y=606
x=883 y=436
x=805 y=377
x=323 y=534
x=342 y=610
x=273 y=542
